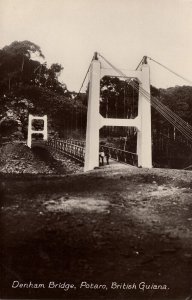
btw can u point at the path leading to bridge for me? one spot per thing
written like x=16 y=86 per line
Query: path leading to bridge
x=114 y=224
x=17 y=158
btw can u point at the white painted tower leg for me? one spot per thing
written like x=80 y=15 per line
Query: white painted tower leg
x=29 y=134
x=45 y=133
x=93 y=118
x=144 y=142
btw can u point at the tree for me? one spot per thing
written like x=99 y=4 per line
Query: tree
x=118 y=98
x=20 y=65
x=29 y=86
x=52 y=75
x=16 y=64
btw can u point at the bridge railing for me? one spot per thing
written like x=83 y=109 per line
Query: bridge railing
x=64 y=146
x=76 y=150
x=76 y=142
x=122 y=155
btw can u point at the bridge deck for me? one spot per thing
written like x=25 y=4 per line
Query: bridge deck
x=113 y=164
x=76 y=150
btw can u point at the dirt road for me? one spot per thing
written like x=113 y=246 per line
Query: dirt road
x=126 y=231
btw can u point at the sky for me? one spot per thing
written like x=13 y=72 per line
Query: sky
x=123 y=31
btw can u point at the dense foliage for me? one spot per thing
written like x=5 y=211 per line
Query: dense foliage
x=28 y=85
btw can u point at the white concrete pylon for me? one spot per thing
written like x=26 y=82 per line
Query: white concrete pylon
x=95 y=121
x=44 y=131
x=93 y=118
x=144 y=141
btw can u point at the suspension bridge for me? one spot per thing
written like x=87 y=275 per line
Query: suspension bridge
x=139 y=120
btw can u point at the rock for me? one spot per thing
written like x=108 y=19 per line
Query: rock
x=188 y=255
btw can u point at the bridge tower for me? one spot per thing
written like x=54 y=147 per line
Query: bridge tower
x=95 y=121
x=31 y=131
x=144 y=140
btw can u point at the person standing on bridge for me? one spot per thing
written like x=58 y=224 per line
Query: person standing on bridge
x=107 y=155
x=101 y=156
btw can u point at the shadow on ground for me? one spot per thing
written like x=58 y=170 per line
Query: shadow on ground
x=126 y=227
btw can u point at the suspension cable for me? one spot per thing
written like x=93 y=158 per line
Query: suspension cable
x=146 y=93
x=120 y=72
x=186 y=131
x=140 y=63
x=167 y=110
x=167 y=113
x=84 y=79
x=170 y=70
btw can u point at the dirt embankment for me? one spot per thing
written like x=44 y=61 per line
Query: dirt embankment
x=17 y=158
x=122 y=225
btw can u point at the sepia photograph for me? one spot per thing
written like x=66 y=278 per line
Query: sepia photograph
x=96 y=149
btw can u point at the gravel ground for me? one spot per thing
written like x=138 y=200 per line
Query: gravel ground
x=114 y=225
x=17 y=158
